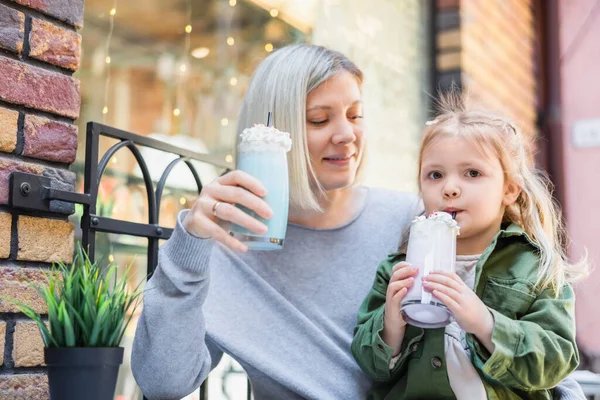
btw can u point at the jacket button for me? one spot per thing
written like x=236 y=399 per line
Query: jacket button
x=436 y=362
x=414 y=347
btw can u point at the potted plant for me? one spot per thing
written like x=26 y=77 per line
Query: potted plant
x=89 y=309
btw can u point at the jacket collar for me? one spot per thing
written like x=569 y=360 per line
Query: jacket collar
x=510 y=229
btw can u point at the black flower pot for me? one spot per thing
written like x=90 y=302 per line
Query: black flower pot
x=77 y=373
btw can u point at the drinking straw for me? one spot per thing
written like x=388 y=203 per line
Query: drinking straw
x=269 y=119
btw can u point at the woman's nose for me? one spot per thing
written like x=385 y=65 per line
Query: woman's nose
x=344 y=133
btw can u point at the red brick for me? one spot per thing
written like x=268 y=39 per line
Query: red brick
x=24 y=387
x=12 y=29
x=442 y=4
x=50 y=140
x=54 y=45
x=70 y=11
x=8 y=129
x=38 y=88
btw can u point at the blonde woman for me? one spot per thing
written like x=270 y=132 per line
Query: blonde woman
x=286 y=316
x=511 y=298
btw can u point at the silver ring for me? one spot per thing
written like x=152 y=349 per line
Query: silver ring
x=214 y=209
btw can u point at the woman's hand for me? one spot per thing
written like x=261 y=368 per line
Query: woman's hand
x=394 y=324
x=468 y=310
x=216 y=204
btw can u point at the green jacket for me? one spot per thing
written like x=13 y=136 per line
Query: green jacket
x=534 y=332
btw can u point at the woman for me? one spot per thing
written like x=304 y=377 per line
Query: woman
x=286 y=316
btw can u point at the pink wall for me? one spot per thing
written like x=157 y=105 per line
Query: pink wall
x=580 y=68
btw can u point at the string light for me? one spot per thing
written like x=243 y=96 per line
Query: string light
x=230 y=41
x=228 y=158
x=185 y=64
x=111 y=28
x=269 y=47
x=114 y=160
x=182 y=201
x=200 y=52
x=274 y=13
x=224 y=122
x=233 y=81
x=232 y=3
x=111 y=258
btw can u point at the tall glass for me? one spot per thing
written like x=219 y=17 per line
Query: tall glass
x=262 y=153
x=431 y=247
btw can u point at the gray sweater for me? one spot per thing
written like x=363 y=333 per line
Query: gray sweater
x=286 y=316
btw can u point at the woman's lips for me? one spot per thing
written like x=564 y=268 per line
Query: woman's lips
x=338 y=160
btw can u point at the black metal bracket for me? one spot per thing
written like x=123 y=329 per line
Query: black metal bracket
x=34 y=192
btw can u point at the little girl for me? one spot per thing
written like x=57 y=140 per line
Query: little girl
x=513 y=334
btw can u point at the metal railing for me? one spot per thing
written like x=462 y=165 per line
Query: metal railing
x=35 y=192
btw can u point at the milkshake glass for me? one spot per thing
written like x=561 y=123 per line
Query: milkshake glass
x=262 y=153
x=431 y=247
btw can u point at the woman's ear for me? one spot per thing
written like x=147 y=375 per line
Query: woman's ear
x=511 y=193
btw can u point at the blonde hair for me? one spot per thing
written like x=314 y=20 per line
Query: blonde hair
x=281 y=85
x=535 y=210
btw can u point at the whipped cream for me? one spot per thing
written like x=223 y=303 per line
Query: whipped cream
x=441 y=217
x=261 y=137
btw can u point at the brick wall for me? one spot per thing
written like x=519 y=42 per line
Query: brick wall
x=488 y=48
x=39 y=101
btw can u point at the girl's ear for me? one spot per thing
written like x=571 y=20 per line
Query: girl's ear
x=511 y=193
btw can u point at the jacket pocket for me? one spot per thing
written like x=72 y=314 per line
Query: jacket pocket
x=511 y=297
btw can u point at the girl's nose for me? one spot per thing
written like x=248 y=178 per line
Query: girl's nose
x=451 y=191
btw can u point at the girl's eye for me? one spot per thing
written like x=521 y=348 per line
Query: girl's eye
x=357 y=117
x=472 y=173
x=435 y=175
x=318 y=123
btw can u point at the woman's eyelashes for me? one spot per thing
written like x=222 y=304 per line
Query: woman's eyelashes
x=320 y=121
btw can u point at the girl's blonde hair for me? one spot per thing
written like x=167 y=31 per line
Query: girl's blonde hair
x=535 y=209
x=280 y=85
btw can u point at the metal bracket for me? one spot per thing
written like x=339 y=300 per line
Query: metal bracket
x=34 y=192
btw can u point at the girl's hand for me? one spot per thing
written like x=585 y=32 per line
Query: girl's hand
x=393 y=326
x=469 y=311
x=216 y=204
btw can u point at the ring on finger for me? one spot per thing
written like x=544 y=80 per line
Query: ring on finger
x=215 y=207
